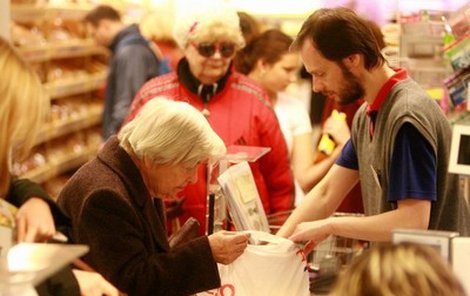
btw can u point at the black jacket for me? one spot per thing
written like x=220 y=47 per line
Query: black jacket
x=133 y=63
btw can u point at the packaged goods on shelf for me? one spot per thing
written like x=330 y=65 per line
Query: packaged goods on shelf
x=457 y=86
x=52 y=38
x=37 y=159
x=27 y=36
x=459 y=54
x=59 y=155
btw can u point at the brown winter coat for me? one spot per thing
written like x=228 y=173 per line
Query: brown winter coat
x=113 y=213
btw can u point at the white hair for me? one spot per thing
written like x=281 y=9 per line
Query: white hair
x=169 y=132
x=207 y=18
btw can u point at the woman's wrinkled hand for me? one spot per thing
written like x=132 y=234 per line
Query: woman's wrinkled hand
x=227 y=246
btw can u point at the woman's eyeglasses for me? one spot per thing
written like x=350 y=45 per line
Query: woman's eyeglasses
x=207 y=49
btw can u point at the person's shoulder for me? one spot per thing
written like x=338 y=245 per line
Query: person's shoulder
x=94 y=176
x=411 y=98
x=249 y=88
x=410 y=92
x=246 y=83
x=131 y=52
x=131 y=43
x=160 y=83
x=165 y=79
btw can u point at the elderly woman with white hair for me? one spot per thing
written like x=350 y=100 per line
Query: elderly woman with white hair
x=236 y=107
x=115 y=204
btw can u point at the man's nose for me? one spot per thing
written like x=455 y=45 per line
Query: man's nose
x=317 y=85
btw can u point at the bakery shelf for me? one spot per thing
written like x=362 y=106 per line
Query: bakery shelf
x=28 y=12
x=83 y=77
x=50 y=170
x=75 y=85
x=52 y=131
x=60 y=50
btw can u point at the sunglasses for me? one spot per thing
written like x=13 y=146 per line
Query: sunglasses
x=207 y=49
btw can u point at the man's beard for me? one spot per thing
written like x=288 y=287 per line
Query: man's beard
x=352 y=89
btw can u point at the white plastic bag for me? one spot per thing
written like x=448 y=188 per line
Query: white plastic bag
x=273 y=266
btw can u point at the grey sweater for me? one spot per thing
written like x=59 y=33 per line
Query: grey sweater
x=408 y=103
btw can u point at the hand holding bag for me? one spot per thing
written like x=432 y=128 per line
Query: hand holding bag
x=271 y=266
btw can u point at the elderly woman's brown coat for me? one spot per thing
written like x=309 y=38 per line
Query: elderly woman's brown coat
x=113 y=213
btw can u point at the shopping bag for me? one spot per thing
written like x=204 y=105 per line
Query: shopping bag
x=270 y=266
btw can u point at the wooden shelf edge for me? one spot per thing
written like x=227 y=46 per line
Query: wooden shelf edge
x=44 y=173
x=60 y=50
x=68 y=87
x=52 y=131
x=29 y=12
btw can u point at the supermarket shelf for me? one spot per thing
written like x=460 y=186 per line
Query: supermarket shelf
x=28 y=12
x=458 y=116
x=46 y=172
x=424 y=39
x=42 y=15
x=72 y=86
x=60 y=50
x=53 y=131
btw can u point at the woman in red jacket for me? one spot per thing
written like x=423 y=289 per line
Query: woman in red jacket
x=235 y=106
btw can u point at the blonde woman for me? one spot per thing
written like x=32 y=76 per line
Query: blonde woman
x=21 y=92
x=405 y=269
x=23 y=108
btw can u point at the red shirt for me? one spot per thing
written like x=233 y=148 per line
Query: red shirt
x=400 y=74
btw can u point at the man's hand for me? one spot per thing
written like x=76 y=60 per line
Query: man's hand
x=311 y=232
x=338 y=129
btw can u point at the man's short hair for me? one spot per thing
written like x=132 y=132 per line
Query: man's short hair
x=102 y=12
x=339 y=32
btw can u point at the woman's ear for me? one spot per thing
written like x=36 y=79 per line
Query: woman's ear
x=262 y=66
